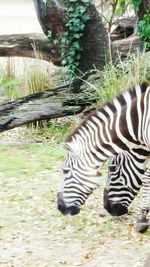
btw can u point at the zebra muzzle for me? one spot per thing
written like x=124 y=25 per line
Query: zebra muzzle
x=113 y=208
x=63 y=208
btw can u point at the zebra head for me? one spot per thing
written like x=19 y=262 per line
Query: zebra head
x=119 y=191
x=77 y=183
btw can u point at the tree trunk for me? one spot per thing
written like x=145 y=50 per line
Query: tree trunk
x=53 y=103
x=53 y=17
x=94 y=42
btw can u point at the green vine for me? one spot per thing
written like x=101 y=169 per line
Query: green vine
x=71 y=47
x=70 y=44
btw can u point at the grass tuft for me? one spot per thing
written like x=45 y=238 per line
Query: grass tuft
x=114 y=78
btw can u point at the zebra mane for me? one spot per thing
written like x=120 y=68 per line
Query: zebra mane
x=142 y=85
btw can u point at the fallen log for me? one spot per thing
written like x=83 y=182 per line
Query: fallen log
x=125 y=47
x=39 y=46
x=53 y=103
x=123 y=37
x=33 y=45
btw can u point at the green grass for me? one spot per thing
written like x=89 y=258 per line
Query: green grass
x=29 y=158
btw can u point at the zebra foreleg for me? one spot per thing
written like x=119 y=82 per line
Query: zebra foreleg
x=143 y=223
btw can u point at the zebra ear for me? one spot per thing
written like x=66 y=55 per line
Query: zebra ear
x=73 y=147
x=67 y=146
x=147 y=162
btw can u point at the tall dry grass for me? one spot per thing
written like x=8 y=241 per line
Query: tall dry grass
x=23 y=76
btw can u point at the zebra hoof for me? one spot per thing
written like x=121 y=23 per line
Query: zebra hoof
x=142 y=225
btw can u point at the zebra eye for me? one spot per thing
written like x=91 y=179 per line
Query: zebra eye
x=65 y=171
x=112 y=168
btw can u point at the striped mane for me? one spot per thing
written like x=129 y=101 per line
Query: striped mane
x=142 y=85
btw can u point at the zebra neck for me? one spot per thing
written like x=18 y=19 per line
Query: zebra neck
x=116 y=127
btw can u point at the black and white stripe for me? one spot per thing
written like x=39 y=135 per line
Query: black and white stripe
x=125 y=177
x=118 y=127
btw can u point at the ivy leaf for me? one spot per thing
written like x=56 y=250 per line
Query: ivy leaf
x=70 y=9
x=56 y=42
x=49 y=34
x=72 y=53
x=85 y=18
x=78 y=35
x=76 y=46
x=78 y=56
x=81 y=27
x=82 y=9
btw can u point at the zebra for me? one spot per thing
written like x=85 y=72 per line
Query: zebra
x=124 y=181
x=120 y=126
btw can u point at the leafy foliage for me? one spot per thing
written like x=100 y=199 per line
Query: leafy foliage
x=144 y=26
x=70 y=43
x=136 y=4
